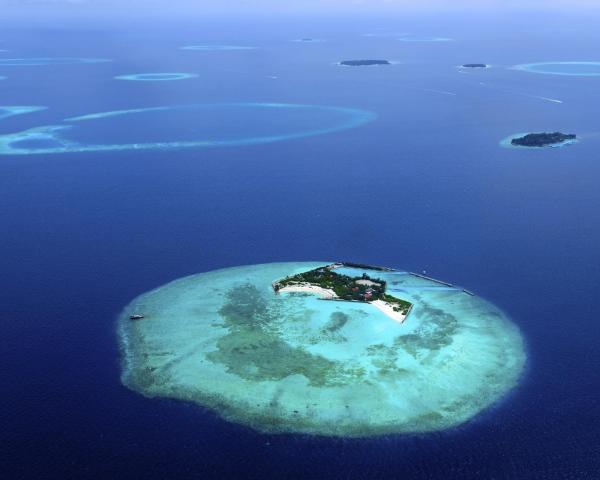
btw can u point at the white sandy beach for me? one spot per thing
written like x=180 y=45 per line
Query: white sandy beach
x=306 y=288
x=388 y=309
x=328 y=294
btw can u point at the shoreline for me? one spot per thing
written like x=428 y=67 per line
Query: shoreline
x=326 y=294
x=389 y=311
x=306 y=288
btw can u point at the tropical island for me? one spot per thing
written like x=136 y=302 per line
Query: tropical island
x=330 y=285
x=544 y=139
x=475 y=65
x=292 y=363
x=363 y=63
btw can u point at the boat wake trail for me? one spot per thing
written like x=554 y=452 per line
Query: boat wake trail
x=528 y=95
x=553 y=100
x=441 y=92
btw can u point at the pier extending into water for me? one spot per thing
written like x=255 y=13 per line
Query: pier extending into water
x=276 y=284
x=432 y=279
x=441 y=282
x=365 y=266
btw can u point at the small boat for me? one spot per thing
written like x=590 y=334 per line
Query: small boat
x=136 y=317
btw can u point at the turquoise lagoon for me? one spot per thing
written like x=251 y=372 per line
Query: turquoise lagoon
x=295 y=363
x=189 y=126
x=156 y=77
x=573 y=69
x=10 y=111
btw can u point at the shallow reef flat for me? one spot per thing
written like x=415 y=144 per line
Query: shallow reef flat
x=572 y=69
x=167 y=127
x=10 y=111
x=294 y=363
x=41 y=61
x=156 y=77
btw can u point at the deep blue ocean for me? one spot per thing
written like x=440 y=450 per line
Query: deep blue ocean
x=425 y=186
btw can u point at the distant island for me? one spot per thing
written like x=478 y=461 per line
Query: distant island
x=330 y=285
x=475 y=65
x=544 y=139
x=308 y=40
x=362 y=63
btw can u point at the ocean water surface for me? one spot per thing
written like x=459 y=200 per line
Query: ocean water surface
x=423 y=186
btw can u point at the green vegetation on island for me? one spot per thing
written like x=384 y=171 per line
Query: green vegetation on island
x=543 y=139
x=353 y=289
x=363 y=63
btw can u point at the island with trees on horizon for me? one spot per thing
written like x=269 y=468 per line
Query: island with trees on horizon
x=364 y=63
x=544 y=139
